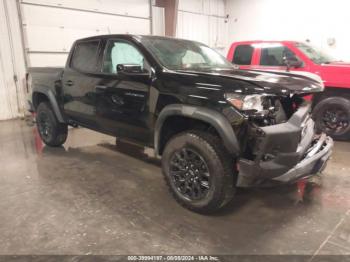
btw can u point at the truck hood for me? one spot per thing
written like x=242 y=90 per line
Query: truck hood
x=335 y=74
x=264 y=82
x=337 y=66
x=340 y=64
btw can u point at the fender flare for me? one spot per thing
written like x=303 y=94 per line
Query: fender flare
x=53 y=101
x=214 y=118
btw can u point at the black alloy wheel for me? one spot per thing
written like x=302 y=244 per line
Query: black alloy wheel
x=335 y=120
x=190 y=174
x=332 y=116
x=52 y=132
x=44 y=125
x=198 y=170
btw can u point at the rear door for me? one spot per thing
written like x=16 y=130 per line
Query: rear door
x=79 y=80
x=242 y=56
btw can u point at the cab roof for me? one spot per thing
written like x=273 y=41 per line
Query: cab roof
x=268 y=42
x=128 y=36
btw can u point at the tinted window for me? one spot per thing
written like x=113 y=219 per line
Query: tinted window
x=85 y=56
x=274 y=56
x=243 y=55
x=119 y=52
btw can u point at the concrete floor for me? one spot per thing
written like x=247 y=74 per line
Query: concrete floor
x=92 y=197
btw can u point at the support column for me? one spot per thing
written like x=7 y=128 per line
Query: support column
x=170 y=13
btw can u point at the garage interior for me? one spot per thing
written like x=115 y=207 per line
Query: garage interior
x=100 y=196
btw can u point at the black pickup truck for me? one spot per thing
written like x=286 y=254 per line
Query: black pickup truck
x=215 y=128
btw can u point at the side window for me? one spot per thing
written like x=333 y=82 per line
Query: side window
x=119 y=52
x=243 y=55
x=85 y=56
x=274 y=56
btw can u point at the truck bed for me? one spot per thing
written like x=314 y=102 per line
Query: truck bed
x=45 y=76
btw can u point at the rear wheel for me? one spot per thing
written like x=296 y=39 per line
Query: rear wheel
x=332 y=116
x=199 y=171
x=52 y=132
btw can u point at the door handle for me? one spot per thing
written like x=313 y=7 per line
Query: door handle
x=100 y=87
x=69 y=83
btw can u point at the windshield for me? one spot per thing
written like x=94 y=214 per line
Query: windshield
x=315 y=55
x=179 y=54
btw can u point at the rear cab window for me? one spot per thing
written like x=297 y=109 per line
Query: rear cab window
x=85 y=56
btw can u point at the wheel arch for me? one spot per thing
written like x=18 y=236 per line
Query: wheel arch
x=330 y=92
x=44 y=94
x=200 y=114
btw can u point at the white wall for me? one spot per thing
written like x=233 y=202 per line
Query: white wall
x=203 y=21
x=316 y=20
x=49 y=29
x=12 y=65
x=51 y=26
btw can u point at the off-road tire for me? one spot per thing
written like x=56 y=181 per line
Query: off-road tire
x=57 y=132
x=220 y=165
x=343 y=103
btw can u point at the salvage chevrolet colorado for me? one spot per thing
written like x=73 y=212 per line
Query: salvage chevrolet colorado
x=215 y=128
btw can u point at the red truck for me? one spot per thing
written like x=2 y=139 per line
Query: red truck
x=331 y=109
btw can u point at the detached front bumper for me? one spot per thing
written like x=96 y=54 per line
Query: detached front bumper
x=286 y=152
x=314 y=162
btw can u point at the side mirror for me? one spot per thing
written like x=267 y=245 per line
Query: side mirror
x=130 y=69
x=292 y=62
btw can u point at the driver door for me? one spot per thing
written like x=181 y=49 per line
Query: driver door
x=121 y=98
x=272 y=57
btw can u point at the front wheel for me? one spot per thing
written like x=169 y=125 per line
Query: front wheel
x=332 y=116
x=52 y=132
x=198 y=171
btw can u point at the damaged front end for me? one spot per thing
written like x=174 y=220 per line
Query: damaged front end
x=279 y=142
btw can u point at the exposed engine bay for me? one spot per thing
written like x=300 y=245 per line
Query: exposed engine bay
x=278 y=137
x=274 y=110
